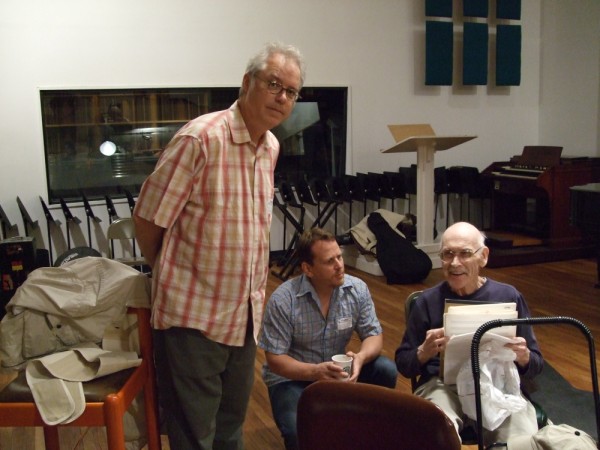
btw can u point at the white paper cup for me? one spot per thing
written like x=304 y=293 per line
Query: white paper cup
x=345 y=362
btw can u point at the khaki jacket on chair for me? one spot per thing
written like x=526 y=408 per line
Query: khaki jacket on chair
x=58 y=307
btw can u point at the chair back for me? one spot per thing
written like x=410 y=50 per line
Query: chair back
x=121 y=228
x=337 y=415
x=410 y=301
x=408 y=304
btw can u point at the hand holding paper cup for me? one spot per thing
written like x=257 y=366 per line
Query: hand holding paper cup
x=345 y=362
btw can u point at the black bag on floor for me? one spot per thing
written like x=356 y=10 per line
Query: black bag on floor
x=400 y=261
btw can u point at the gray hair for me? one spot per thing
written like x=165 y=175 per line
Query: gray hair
x=259 y=61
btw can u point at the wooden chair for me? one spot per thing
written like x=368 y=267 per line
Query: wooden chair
x=107 y=398
x=336 y=415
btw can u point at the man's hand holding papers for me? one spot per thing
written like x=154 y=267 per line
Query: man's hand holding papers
x=461 y=320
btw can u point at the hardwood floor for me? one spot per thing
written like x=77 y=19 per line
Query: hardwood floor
x=564 y=288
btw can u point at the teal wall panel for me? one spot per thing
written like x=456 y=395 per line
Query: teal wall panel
x=508 y=55
x=438 y=53
x=475 y=53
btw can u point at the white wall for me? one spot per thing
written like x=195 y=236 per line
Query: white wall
x=570 y=79
x=376 y=48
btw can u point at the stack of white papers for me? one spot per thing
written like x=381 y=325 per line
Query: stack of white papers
x=461 y=322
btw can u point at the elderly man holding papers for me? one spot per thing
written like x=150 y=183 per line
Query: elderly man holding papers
x=464 y=254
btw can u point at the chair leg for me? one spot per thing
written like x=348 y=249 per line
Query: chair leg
x=151 y=408
x=51 y=440
x=113 y=420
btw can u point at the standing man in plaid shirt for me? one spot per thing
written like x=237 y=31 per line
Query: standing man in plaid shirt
x=202 y=222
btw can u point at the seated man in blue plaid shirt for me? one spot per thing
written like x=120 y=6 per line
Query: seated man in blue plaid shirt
x=309 y=319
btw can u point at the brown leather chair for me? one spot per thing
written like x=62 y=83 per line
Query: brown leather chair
x=338 y=415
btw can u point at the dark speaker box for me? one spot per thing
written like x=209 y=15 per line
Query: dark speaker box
x=17 y=259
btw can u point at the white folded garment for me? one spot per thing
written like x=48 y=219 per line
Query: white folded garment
x=56 y=380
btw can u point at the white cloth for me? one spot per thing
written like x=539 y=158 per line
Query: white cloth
x=499 y=380
x=554 y=437
x=56 y=380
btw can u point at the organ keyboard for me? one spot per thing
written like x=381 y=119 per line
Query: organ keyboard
x=516 y=172
x=530 y=193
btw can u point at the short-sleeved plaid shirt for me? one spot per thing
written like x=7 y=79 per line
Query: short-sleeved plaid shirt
x=294 y=325
x=212 y=190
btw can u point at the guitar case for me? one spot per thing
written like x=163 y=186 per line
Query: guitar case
x=400 y=261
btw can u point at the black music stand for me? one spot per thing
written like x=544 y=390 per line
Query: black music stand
x=356 y=192
x=319 y=192
x=7 y=226
x=285 y=197
x=70 y=218
x=337 y=190
x=89 y=213
x=371 y=187
x=110 y=206
x=298 y=196
x=49 y=221
x=130 y=200
x=112 y=215
x=28 y=222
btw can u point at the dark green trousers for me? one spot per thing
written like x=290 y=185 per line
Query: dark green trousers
x=203 y=388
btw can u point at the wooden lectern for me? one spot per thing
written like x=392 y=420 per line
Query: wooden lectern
x=422 y=139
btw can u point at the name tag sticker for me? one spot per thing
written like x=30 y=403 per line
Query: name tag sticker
x=344 y=323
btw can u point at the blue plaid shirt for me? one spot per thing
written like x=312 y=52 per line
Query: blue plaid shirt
x=294 y=325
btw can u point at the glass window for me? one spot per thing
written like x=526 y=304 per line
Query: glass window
x=107 y=141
